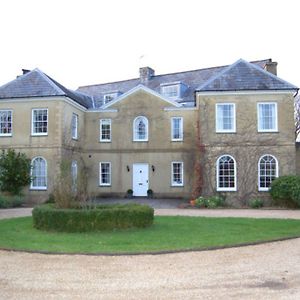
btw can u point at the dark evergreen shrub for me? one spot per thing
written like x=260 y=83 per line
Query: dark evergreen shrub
x=285 y=191
x=102 y=217
x=9 y=201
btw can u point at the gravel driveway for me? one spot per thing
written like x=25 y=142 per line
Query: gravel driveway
x=268 y=271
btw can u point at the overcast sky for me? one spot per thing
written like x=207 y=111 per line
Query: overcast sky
x=81 y=42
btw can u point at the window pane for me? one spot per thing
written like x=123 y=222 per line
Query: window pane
x=39 y=173
x=105 y=173
x=5 y=122
x=226 y=172
x=225 y=117
x=267 y=171
x=177 y=173
x=105 y=130
x=40 y=121
x=74 y=126
x=267 y=116
x=177 y=129
x=141 y=129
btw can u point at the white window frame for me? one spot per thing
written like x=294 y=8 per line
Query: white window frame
x=226 y=189
x=32 y=124
x=100 y=174
x=108 y=123
x=259 y=129
x=41 y=188
x=219 y=128
x=180 y=129
x=74 y=174
x=168 y=86
x=135 y=135
x=112 y=96
x=266 y=189
x=74 y=126
x=11 y=116
x=174 y=183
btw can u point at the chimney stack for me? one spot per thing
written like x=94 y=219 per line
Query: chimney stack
x=145 y=74
x=271 y=66
x=25 y=71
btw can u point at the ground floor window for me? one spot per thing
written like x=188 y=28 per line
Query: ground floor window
x=267 y=171
x=177 y=173
x=39 y=173
x=226 y=173
x=105 y=174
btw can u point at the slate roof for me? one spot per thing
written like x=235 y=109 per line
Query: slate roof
x=35 y=83
x=243 y=75
x=197 y=78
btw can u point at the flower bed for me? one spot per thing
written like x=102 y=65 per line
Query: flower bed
x=102 y=217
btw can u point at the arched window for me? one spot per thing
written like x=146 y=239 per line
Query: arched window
x=226 y=173
x=140 y=129
x=39 y=173
x=267 y=171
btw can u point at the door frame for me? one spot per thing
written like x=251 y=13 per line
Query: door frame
x=136 y=166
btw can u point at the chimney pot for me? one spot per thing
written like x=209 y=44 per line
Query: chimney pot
x=25 y=71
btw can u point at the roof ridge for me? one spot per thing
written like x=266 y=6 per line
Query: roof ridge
x=50 y=81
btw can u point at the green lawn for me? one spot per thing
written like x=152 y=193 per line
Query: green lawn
x=167 y=233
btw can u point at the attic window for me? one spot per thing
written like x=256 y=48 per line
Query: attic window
x=173 y=90
x=110 y=96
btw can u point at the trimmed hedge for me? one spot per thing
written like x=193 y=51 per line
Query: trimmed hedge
x=285 y=191
x=102 y=217
x=9 y=201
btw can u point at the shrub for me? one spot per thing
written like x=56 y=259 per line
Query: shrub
x=8 y=201
x=210 y=202
x=256 y=203
x=14 y=171
x=285 y=191
x=95 y=218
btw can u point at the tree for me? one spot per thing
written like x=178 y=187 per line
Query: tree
x=14 y=171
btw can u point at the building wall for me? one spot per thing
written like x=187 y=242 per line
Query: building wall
x=246 y=145
x=159 y=151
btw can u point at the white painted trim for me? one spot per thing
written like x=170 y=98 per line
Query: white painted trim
x=7 y=134
x=100 y=137
x=100 y=174
x=182 y=173
x=147 y=130
x=218 y=130
x=48 y=98
x=248 y=92
x=140 y=87
x=260 y=189
x=40 y=188
x=135 y=167
x=179 y=108
x=181 y=129
x=234 y=189
x=102 y=110
x=276 y=118
x=39 y=133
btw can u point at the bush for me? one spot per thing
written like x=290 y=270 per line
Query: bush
x=285 y=191
x=210 y=202
x=84 y=219
x=10 y=201
x=256 y=203
x=14 y=171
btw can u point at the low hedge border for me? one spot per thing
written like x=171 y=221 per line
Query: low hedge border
x=102 y=217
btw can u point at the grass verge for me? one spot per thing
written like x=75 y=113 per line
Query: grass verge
x=166 y=234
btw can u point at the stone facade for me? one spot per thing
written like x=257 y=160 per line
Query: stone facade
x=160 y=155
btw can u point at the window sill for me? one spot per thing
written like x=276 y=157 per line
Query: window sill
x=225 y=131
x=104 y=185
x=267 y=131
x=177 y=185
x=39 y=134
x=264 y=189
x=141 y=141
x=38 y=189
x=105 y=141
x=226 y=189
x=177 y=140
x=6 y=135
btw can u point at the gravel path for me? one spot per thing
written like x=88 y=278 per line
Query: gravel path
x=268 y=271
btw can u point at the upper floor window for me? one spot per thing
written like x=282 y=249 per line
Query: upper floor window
x=105 y=130
x=110 y=96
x=39 y=124
x=5 y=122
x=225 y=117
x=171 y=91
x=267 y=172
x=267 y=117
x=39 y=173
x=226 y=173
x=177 y=173
x=177 y=128
x=140 y=129
x=74 y=126
x=105 y=174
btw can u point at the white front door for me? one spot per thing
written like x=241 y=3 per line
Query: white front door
x=140 y=179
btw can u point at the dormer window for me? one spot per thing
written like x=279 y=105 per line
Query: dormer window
x=172 y=90
x=110 y=96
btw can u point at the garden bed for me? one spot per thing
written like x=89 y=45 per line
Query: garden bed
x=84 y=219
